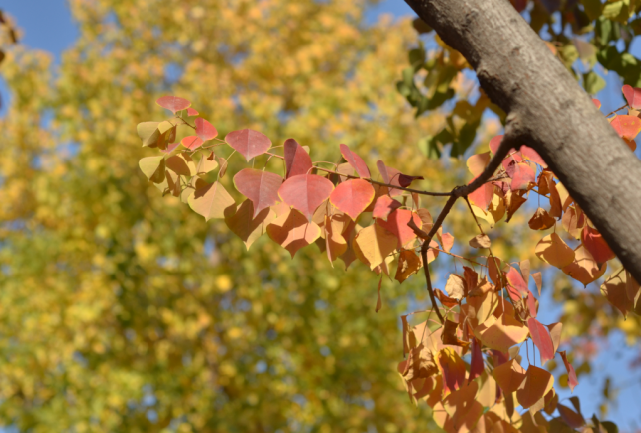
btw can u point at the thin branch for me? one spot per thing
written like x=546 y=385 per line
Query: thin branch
x=430 y=193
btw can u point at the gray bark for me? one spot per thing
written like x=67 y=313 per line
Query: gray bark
x=554 y=114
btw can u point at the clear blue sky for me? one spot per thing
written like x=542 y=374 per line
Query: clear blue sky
x=47 y=25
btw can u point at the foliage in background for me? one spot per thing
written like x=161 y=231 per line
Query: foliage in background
x=124 y=311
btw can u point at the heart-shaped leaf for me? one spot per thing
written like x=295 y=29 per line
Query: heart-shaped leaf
x=385 y=205
x=192 y=142
x=551 y=249
x=293 y=231
x=397 y=224
x=632 y=95
x=245 y=225
x=260 y=186
x=305 y=192
x=373 y=244
x=597 y=246
x=535 y=386
x=352 y=196
x=211 y=201
x=173 y=103
x=626 y=126
x=205 y=130
x=248 y=142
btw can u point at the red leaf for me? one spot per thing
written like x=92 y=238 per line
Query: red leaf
x=522 y=174
x=531 y=303
x=531 y=154
x=453 y=369
x=384 y=205
x=516 y=281
x=305 y=192
x=297 y=161
x=596 y=102
x=476 y=366
x=248 y=142
x=261 y=187
x=192 y=112
x=205 y=130
x=482 y=197
x=352 y=197
x=173 y=103
x=626 y=126
x=572 y=380
x=355 y=161
x=541 y=338
x=593 y=242
x=632 y=95
x=192 y=142
x=397 y=224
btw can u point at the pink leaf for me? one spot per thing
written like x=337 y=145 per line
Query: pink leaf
x=476 y=366
x=482 y=196
x=355 y=161
x=384 y=205
x=494 y=145
x=192 y=142
x=352 y=197
x=390 y=176
x=572 y=380
x=297 y=161
x=397 y=224
x=632 y=95
x=305 y=192
x=531 y=154
x=173 y=103
x=541 y=338
x=192 y=112
x=522 y=174
x=205 y=130
x=248 y=142
x=260 y=186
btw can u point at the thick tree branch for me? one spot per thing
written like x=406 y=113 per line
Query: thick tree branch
x=558 y=119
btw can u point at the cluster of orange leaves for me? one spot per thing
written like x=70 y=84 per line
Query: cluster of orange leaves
x=487 y=315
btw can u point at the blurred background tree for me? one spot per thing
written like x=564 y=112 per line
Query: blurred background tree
x=124 y=311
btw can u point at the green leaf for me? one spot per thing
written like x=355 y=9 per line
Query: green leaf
x=610 y=427
x=417 y=57
x=569 y=54
x=593 y=83
x=421 y=26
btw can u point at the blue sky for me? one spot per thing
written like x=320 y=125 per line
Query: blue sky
x=47 y=25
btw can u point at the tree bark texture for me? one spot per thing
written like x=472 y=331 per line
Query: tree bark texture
x=553 y=114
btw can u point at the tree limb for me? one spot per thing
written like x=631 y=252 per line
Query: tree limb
x=558 y=119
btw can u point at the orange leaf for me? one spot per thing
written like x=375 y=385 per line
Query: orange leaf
x=501 y=333
x=211 y=201
x=509 y=376
x=335 y=243
x=352 y=196
x=593 y=241
x=373 y=244
x=551 y=249
x=408 y=263
x=477 y=163
x=397 y=224
x=541 y=220
x=626 y=126
x=245 y=225
x=293 y=231
x=537 y=384
x=614 y=288
x=584 y=268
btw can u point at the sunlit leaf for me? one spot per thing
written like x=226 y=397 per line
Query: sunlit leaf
x=245 y=225
x=305 y=192
x=584 y=268
x=260 y=186
x=551 y=249
x=173 y=103
x=397 y=224
x=192 y=142
x=211 y=201
x=154 y=168
x=628 y=127
x=352 y=196
x=408 y=264
x=205 y=130
x=597 y=246
x=632 y=96
x=535 y=386
x=614 y=288
x=455 y=287
x=509 y=376
x=542 y=340
x=480 y=241
x=248 y=142
x=293 y=231
x=572 y=380
x=355 y=161
x=385 y=205
x=452 y=368
x=477 y=163
x=501 y=333
x=373 y=244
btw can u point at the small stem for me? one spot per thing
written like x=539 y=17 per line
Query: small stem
x=275 y=156
x=433 y=194
x=618 y=109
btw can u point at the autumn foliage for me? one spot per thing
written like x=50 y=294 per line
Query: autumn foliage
x=463 y=360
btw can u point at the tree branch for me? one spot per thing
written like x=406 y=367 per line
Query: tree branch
x=559 y=121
